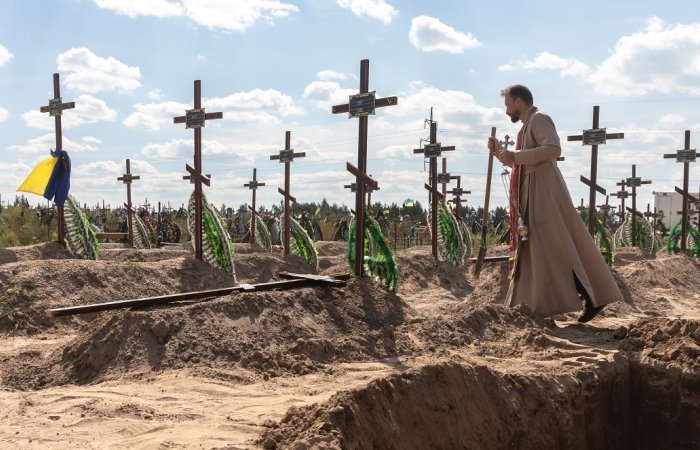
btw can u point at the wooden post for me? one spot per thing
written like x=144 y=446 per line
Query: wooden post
x=253 y=186
x=55 y=109
x=594 y=137
x=362 y=105
x=485 y=219
x=286 y=156
x=127 y=178
x=196 y=118
x=685 y=156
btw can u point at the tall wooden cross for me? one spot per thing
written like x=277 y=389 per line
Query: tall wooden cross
x=286 y=156
x=362 y=105
x=594 y=137
x=634 y=182
x=253 y=185
x=127 y=178
x=433 y=150
x=685 y=156
x=55 y=109
x=196 y=118
x=457 y=194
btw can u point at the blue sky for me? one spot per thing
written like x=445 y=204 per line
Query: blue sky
x=278 y=65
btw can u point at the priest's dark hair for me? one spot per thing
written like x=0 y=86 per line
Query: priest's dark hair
x=518 y=91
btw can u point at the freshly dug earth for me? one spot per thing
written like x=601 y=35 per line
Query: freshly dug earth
x=440 y=364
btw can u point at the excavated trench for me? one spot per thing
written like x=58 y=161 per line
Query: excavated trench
x=619 y=403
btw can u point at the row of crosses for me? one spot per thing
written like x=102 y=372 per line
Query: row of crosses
x=361 y=106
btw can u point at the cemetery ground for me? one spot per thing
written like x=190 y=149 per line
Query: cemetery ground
x=441 y=364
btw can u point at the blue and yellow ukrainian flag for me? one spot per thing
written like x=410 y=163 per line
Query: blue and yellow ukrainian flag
x=50 y=178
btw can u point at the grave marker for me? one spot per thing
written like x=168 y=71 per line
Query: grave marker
x=634 y=182
x=685 y=156
x=55 y=109
x=357 y=106
x=196 y=118
x=433 y=150
x=286 y=156
x=127 y=178
x=253 y=186
x=594 y=137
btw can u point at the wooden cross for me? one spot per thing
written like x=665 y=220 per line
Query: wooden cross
x=369 y=190
x=433 y=150
x=685 y=156
x=127 y=178
x=196 y=118
x=362 y=105
x=653 y=216
x=253 y=186
x=581 y=208
x=445 y=178
x=286 y=156
x=457 y=194
x=622 y=194
x=634 y=182
x=485 y=218
x=606 y=209
x=594 y=137
x=55 y=109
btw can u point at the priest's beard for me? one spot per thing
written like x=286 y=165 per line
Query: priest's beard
x=514 y=118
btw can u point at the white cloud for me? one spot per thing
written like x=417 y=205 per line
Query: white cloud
x=236 y=15
x=42 y=144
x=4 y=114
x=257 y=100
x=88 y=109
x=135 y=8
x=153 y=116
x=168 y=150
x=154 y=94
x=258 y=105
x=659 y=59
x=326 y=75
x=376 y=9
x=5 y=56
x=87 y=72
x=325 y=94
x=430 y=35
x=565 y=66
x=506 y=68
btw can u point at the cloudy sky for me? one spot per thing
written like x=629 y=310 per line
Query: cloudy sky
x=277 y=65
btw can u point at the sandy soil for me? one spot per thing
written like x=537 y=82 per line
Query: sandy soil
x=442 y=364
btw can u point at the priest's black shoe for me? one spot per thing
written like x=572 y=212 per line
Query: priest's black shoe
x=589 y=311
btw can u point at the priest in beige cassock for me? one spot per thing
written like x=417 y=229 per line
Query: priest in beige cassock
x=555 y=266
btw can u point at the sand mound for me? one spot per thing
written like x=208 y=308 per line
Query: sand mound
x=49 y=250
x=267 y=333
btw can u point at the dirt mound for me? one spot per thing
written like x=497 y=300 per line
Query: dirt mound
x=464 y=406
x=268 y=333
x=132 y=254
x=48 y=250
x=676 y=341
x=29 y=288
x=419 y=270
x=332 y=248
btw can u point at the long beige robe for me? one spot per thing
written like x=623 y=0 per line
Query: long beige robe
x=558 y=244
